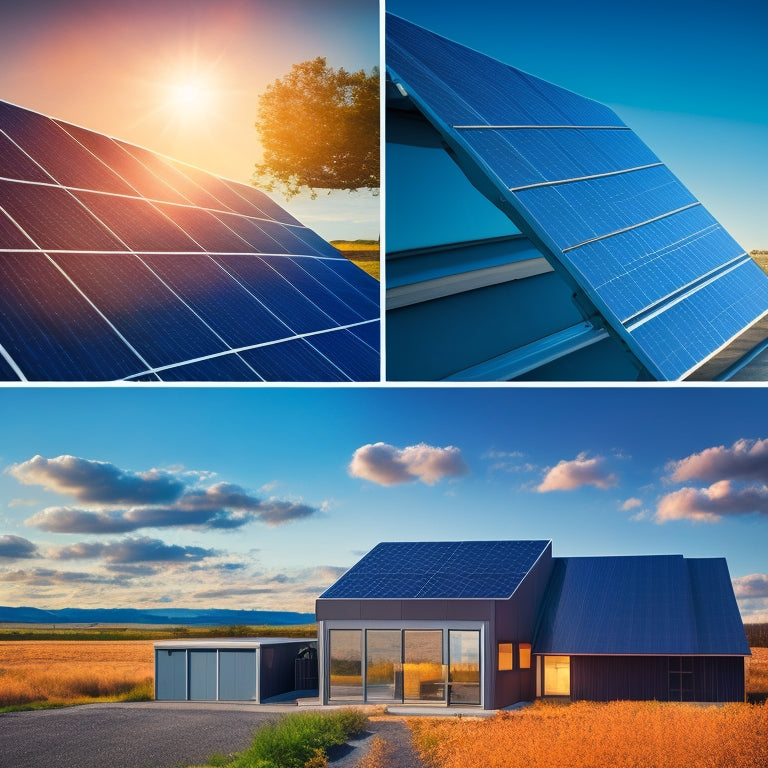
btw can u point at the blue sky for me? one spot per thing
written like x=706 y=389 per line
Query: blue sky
x=182 y=77
x=260 y=498
x=688 y=78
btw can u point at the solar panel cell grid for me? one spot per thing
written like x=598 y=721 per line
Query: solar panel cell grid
x=655 y=245
x=137 y=266
x=294 y=360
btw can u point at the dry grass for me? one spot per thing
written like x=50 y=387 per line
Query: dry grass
x=587 y=735
x=69 y=672
x=378 y=756
x=757 y=676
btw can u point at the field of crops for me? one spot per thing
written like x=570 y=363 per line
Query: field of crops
x=68 y=672
x=585 y=735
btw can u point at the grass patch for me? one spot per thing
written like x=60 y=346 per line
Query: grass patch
x=297 y=741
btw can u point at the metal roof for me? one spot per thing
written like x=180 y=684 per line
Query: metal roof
x=440 y=570
x=655 y=604
x=644 y=257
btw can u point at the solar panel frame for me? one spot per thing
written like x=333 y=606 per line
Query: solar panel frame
x=481 y=109
x=152 y=213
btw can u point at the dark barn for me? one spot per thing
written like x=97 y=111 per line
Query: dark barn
x=494 y=623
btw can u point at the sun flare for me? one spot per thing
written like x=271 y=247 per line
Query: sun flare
x=190 y=97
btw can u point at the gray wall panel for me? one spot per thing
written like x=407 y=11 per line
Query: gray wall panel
x=202 y=674
x=171 y=675
x=237 y=675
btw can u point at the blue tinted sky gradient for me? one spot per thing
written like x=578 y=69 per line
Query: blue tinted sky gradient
x=687 y=77
x=260 y=498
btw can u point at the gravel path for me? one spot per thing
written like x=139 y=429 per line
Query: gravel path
x=394 y=731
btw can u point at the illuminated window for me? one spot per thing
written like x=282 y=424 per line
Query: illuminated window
x=525 y=655
x=506 y=660
x=557 y=675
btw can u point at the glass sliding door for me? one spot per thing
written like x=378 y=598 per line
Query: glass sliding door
x=383 y=665
x=463 y=666
x=346 y=664
x=424 y=674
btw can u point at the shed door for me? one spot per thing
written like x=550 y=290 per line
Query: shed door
x=171 y=675
x=237 y=675
x=202 y=674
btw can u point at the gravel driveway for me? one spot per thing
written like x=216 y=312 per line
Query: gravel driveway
x=135 y=735
x=161 y=735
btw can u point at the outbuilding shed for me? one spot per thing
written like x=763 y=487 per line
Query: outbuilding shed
x=233 y=669
x=491 y=623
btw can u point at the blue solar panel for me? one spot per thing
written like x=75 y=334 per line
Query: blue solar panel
x=117 y=263
x=630 y=238
x=439 y=570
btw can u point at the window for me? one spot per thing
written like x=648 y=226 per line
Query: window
x=525 y=655
x=346 y=664
x=557 y=675
x=681 y=678
x=383 y=665
x=464 y=666
x=506 y=657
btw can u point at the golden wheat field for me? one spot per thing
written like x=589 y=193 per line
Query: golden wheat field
x=588 y=735
x=66 y=672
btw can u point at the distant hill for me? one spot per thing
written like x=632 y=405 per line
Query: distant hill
x=186 y=616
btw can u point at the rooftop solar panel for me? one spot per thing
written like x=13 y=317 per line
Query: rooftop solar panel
x=439 y=570
x=634 y=243
x=119 y=264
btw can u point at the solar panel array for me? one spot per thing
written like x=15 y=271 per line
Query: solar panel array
x=664 y=273
x=119 y=264
x=654 y=604
x=447 y=570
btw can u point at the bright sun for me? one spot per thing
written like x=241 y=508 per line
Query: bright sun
x=191 y=97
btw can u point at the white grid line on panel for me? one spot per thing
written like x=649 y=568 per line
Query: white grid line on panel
x=633 y=226
x=238 y=350
x=557 y=182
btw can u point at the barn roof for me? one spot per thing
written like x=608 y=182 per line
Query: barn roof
x=442 y=570
x=657 y=604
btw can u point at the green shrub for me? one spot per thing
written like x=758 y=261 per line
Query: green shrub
x=300 y=740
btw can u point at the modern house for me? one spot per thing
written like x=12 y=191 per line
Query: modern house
x=492 y=623
x=532 y=235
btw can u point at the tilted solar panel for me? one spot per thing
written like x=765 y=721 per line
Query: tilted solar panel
x=635 y=244
x=119 y=264
x=439 y=570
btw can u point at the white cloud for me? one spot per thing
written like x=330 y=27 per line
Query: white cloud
x=711 y=504
x=581 y=471
x=387 y=465
x=745 y=460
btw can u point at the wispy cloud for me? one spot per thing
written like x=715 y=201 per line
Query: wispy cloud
x=16 y=548
x=98 y=482
x=131 y=550
x=736 y=481
x=745 y=460
x=711 y=504
x=577 y=473
x=630 y=504
x=153 y=499
x=387 y=465
x=754 y=585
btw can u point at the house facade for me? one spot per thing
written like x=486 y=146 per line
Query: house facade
x=489 y=624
